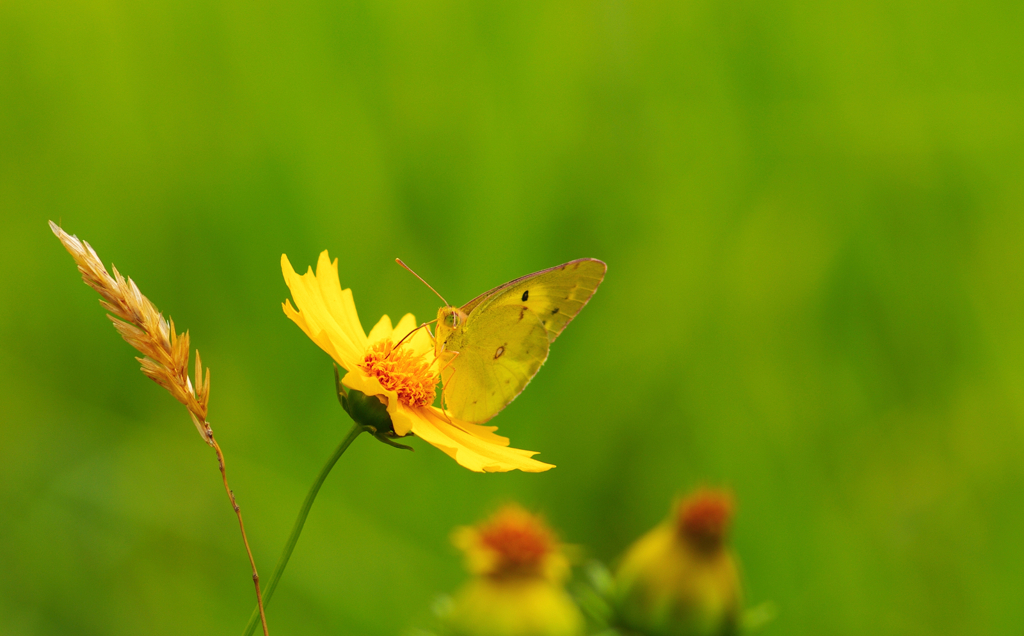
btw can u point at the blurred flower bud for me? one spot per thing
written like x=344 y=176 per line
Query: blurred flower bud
x=517 y=589
x=680 y=579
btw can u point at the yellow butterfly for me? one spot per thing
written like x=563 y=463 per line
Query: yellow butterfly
x=491 y=348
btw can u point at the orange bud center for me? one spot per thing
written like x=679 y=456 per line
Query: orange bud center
x=401 y=371
x=703 y=519
x=519 y=543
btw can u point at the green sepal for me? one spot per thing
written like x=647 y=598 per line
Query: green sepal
x=368 y=412
x=381 y=437
x=340 y=388
x=592 y=596
x=756 y=618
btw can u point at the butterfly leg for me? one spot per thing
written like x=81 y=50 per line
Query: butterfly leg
x=394 y=348
x=439 y=373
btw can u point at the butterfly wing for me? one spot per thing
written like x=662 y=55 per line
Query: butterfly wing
x=505 y=338
x=556 y=294
x=499 y=351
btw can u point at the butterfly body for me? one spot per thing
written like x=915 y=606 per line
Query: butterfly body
x=491 y=347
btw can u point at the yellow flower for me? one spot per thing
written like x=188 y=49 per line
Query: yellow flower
x=680 y=579
x=519 y=573
x=512 y=543
x=402 y=376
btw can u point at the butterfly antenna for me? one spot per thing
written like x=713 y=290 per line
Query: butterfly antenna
x=399 y=261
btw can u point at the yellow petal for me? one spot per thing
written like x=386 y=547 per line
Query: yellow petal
x=421 y=342
x=382 y=330
x=470 y=450
x=319 y=336
x=483 y=433
x=326 y=313
x=486 y=607
x=403 y=419
x=404 y=326
x=339 y=301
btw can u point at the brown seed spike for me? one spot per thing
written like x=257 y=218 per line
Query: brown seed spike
x=165 y=352
x=165 y=355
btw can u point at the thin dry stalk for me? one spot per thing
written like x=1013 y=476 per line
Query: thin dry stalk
x=165 y=355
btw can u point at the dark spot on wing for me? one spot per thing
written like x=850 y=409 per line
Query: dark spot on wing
x=554 y=311
x=526 y=295
x=522 y=313
x=499 y=352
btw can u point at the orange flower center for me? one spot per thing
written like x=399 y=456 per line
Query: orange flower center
x=520 y=543
x=703 y=518
x=401 y=371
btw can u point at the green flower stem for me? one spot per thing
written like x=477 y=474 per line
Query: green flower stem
x=300 y=521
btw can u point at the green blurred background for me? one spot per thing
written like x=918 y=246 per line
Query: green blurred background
x=812 y=218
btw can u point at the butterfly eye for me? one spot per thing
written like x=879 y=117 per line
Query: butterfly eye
x=451 y=320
